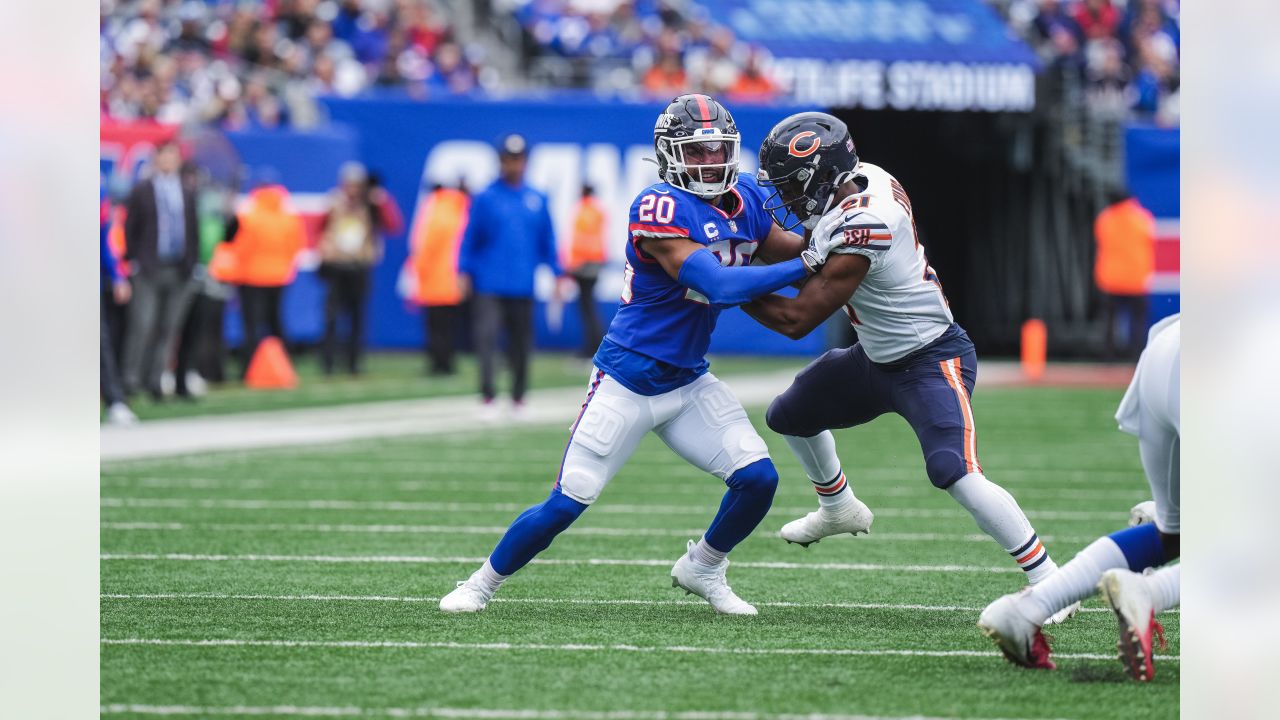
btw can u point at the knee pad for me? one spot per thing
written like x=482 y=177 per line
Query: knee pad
x=582 y=479
x=758 y=478
x=945 y=467
x=779 y=418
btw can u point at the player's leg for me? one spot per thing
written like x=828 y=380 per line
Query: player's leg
x=711 y=431
x=834 y=391
x=934 y=399
x=1014 y=620
x=487 y=320
x=610 y=425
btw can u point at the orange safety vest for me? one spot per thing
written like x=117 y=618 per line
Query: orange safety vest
x=1125 y=233
x=436 y=237
x=588 y=236
x=265 y=249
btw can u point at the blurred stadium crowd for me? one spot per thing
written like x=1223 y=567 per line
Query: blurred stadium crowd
x=246 y=64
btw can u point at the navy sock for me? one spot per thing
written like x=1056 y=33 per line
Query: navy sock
x=533 y=531
x=1141 y=546
x=744 y=505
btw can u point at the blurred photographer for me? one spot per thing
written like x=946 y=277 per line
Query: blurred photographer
x=360 y=212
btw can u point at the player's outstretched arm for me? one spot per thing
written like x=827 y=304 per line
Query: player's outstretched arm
x=822 y=295
x=694 y=266
x=780 y=245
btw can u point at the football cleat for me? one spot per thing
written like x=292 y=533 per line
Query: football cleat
x=1064 y=614
x=854 y=518
x=1021 y=640
x=1127 y=594
x=708 y=583
x=469 y=596
x=1142 y=513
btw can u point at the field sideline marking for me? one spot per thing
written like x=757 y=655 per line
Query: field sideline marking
x=544 y=601
x=499 y=529
x=624 y=509
x=455 y=484
x=476 y=713
x=433 y=560
x=582 y=647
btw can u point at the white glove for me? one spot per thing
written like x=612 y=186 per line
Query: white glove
x=1142 y=513
x=824 y=239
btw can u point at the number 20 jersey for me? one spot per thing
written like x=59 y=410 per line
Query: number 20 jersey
x=659 y=317
x=899 y=307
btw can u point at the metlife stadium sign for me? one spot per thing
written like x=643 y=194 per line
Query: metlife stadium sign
x=954 y=55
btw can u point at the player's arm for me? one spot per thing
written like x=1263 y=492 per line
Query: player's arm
x=822 y=295
x=696 y=267
x=780 y=245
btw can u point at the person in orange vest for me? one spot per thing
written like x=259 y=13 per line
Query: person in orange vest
x=1125 y=233
x=433 y=260
x=266 y=236
x=583 y=263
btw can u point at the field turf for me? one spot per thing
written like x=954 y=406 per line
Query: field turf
x=303 y=581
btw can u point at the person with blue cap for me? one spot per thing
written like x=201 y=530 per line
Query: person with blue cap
x=509 y=234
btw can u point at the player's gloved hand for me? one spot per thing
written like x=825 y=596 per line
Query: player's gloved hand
x=823 y=240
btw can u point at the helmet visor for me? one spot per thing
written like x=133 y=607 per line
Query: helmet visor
x=707 y=166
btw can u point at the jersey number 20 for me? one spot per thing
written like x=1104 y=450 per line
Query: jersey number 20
x=657 y=208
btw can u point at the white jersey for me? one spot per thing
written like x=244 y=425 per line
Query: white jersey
x=899 y=307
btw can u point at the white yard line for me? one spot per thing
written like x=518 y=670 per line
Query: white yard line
x=452 y=560
x=326 y=425
x=499 y=529
x=604 y=507
x=546 y=601
x=479 y=480
x=577 y=647
x=446 y=713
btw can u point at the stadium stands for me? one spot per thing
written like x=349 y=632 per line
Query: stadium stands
x=246 y=65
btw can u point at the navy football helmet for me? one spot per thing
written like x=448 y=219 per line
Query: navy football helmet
x=804 y=159
x=697 y=143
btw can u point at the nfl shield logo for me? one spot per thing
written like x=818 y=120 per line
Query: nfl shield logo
x=733 y=226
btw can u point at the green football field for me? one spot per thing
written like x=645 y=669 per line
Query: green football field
x=304 y=581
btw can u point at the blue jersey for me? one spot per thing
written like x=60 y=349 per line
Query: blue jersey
x=659 y=318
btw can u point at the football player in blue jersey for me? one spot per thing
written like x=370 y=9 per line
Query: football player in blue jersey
x=692 y=237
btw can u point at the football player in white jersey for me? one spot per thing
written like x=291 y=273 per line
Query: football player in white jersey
x=1113 y=565
x=911 y=358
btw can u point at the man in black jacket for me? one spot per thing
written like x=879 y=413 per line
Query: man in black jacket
x=161 y=244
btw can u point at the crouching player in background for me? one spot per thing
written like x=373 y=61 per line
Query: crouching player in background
x=1151 y=410
x=911 y=359
x=692 y=237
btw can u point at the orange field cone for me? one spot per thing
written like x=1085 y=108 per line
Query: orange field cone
x=1035 y=341
x=270 y=369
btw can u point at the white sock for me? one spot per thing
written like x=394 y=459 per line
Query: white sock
x=488 y=578
x=817 y=455
x=1073 y=582
x=1165 y=587
x=704 y=554
x=999 y=516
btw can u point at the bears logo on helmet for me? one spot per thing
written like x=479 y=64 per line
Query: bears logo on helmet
x=804 y=159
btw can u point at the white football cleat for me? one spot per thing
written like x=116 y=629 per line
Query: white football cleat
x=1064 y=614
x=1018 y=638
x=709 y=583
x=1127 y=594
x=1142 y=513
x=854 y=518
x=469 y=596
